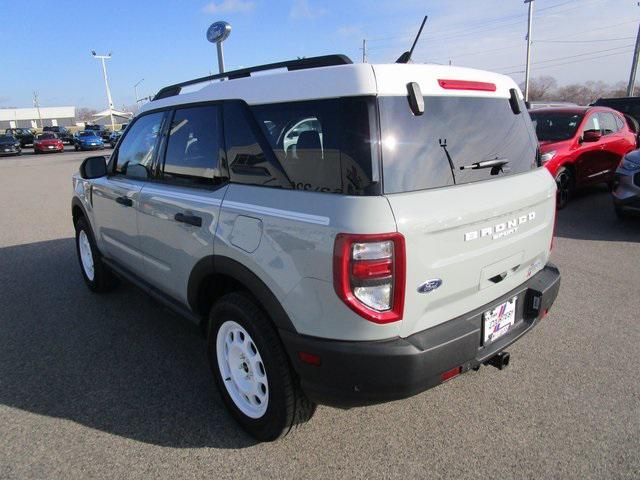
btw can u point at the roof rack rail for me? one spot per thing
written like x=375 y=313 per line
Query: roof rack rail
x=300 y=64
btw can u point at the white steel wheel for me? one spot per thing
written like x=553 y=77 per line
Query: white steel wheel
x=242 y=369
x=86 y=257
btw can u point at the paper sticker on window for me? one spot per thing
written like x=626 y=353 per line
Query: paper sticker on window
x=596 y=124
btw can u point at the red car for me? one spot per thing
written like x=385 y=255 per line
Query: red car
x=581 y=145
x=47 y=142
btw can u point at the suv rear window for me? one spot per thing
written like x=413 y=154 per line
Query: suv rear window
x=420 y=152
x=324 y=145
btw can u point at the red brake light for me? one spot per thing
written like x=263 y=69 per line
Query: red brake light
x=366 y=269
x=467 y=85
x=369 y=274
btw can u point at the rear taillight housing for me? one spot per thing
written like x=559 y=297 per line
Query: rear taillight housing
x=369 y=274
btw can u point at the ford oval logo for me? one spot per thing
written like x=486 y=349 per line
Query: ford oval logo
x=429 y=285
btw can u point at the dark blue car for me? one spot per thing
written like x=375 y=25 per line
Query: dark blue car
x=87 y=140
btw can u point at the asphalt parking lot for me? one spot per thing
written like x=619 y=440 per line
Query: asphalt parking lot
x=116 y=386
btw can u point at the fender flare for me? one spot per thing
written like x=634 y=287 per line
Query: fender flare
x=217 y=264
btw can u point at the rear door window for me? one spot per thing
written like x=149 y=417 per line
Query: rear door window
x=449 y=143
x=194 y=146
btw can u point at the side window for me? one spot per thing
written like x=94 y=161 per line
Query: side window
x=607 y=123
x=137 y=149
x=323 y=145
x=592 y=123
x=619 y=122
x=193 y=149
x=247 y=159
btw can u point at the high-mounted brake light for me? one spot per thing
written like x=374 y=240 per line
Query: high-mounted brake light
x=369 y=274
x=467 y=85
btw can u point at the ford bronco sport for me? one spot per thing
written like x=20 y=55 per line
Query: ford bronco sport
x=345 y=234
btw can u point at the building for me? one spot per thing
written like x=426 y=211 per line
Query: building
x=32 y=118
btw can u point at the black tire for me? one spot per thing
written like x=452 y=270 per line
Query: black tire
x=565 y=183
x=621 y=213
x=76 y=147
x=287 y=405
x=103 y=279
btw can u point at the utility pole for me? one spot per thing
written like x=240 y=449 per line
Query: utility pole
x=634 y=65
x=36 y=103
x=106 y=84
x=528 y=65
x=135 y=88
x=364 y=50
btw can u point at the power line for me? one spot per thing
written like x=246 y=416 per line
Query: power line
x=570 y=62
x=568 y=57
x=599 y=40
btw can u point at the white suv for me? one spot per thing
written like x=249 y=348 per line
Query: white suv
x=344 y=234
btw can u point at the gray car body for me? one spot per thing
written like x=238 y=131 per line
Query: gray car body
x=626 y=195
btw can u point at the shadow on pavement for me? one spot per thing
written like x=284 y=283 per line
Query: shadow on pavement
x=118 y=362
x=589 y=215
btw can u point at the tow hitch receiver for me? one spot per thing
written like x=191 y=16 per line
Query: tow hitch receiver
x=500 y=361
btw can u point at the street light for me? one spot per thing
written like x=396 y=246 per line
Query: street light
x=135 y=88
x=106 y=83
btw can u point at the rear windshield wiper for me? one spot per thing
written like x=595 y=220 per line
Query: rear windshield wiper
x=496 y=166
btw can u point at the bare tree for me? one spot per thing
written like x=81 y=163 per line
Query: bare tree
x=542 y=88
x=85 y=114
x=545 y=88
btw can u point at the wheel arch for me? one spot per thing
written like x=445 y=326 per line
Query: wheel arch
x=78 y=210
x=215 y=275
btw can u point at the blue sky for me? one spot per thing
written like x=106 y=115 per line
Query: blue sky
x=48 y=49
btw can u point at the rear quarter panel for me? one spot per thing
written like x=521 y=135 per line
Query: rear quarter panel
x=294 y=254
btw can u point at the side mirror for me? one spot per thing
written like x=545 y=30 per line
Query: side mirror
x=93 y=167
x=591 y=136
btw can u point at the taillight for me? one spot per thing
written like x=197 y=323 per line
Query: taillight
x=369 y=274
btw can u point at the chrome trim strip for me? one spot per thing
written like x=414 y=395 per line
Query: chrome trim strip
x=183 y=196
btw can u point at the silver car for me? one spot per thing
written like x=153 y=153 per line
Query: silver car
x=626 y=194
x=344 y=234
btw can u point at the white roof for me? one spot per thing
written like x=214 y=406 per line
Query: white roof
x=341 y=81
x=32 y=113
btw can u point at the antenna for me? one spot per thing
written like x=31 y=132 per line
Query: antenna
x=406 y=56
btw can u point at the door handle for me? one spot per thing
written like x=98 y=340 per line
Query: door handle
x=190 y=219
x=126 y=201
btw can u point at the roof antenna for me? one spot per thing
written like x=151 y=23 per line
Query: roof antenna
x=406 y=56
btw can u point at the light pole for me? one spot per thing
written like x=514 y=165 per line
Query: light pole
x=528 y=65
x=135 y=88
x=106 y=83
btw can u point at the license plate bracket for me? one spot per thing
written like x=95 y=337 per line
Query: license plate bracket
x=498 y=321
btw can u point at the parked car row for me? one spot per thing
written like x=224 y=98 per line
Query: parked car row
x=53 y=139
x=583 y=146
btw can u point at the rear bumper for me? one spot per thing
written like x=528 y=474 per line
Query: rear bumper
x=362 y=373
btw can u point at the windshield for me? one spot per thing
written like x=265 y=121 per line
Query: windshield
x=46 y=136
x=556 y=126
x=87 y=134
x=457 y=140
